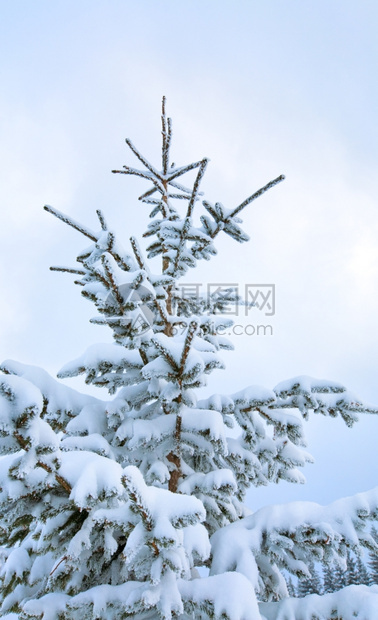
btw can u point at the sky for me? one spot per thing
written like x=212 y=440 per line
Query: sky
x=262 y=89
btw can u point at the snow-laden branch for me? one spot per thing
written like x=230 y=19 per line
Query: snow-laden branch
x=289 y=536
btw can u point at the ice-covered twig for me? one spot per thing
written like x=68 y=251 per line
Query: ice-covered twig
x=246 y=202
x=79 y=272
x=197 y=182
x=71 y=222
x=257 y=194
x=144 y=161
x=167 y=135
x=137 y=252
x=102 y=220
x=193 y=326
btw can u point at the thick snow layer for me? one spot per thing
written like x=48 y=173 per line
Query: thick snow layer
x=218 y=402
x=132 y=597
x=208 y=422
x=102 y=355
x=159 y=367
x=253 y=395
x=91 y=419
x=42 y=565
x=165 y=507
x=18 y=562
x=18 y=397
x=141 y=433
x=225 y=596
x=49 y=605
x=104 y=597
x=91 y=443
x=208 y=483
x=196 y=543
x=303 y=384
x=11 y=488
x=59 y=396
x=91 y=476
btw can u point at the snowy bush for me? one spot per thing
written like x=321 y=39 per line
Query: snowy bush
x=109 y=508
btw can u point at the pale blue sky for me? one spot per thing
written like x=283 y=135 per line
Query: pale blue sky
x=261 y=88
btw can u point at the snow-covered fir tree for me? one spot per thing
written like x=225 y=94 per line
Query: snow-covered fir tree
x=341 y=575
x=363 y=575
x=108 y=508
x=311 y=584
x=354 y=572
x=357 y=572
x=291 y=589
x=351 y=574
x=329 y=584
